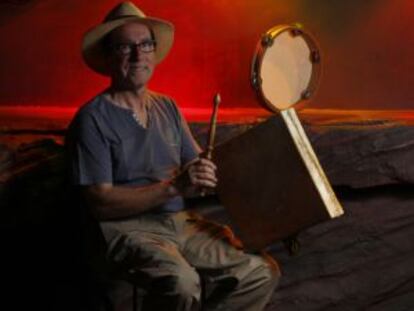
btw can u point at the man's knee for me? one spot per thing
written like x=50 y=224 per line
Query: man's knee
x=257 y=277
x=263 y=270
x=183 y=282
x=187 y=283
x=271 y=266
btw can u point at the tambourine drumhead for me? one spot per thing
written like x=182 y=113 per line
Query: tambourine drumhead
x=285 y=67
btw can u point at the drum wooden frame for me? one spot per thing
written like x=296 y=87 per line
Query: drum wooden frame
x=304 y=71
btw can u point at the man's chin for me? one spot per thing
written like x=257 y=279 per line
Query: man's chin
x=133 y=85
x=138 y=81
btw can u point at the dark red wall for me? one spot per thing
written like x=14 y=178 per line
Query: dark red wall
x=367 y=50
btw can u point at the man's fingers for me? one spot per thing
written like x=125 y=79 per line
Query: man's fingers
x=202 y=173
x=205 y=183
x=204 y=170
x=204 y=166
x=198 y=178
x=207 y=162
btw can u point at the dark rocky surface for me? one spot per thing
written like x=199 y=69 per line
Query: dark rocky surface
x=360 y=261
x=365 y=154
x=364 y=259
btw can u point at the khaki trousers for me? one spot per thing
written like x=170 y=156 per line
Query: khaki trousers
x=182 y=260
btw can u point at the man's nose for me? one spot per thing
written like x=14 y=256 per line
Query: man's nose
x=135 y=54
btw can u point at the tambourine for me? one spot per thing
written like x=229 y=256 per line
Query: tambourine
x=270 y=179
x=286 y=67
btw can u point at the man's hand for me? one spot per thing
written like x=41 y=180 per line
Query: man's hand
x=196 y=176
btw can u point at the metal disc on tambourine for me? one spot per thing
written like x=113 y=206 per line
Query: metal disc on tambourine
x=286 y=67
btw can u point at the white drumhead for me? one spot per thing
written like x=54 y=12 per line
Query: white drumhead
x=285 y=69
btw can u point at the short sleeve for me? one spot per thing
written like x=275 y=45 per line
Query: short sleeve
x=89 y=151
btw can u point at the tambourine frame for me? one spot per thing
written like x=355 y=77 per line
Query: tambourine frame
x=267 y=41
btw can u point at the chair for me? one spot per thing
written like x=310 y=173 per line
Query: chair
x=105 y=289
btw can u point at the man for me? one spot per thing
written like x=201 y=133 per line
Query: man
x=134 y=157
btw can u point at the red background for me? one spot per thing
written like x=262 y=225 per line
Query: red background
x=367 y=49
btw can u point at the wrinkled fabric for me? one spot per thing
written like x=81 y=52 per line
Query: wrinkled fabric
x=182 y=260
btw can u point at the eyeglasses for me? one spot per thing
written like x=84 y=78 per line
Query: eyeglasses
x=124 y=49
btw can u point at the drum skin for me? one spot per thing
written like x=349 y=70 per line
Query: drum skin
x=286 y=67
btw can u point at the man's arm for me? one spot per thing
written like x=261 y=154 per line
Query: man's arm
x=108 y=201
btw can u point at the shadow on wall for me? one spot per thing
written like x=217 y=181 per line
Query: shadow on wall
x=339 y=16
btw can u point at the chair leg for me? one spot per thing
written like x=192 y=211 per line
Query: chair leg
x=134 y=298
x=203 y=296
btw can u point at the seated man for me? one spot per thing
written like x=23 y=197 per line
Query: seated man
x=133 y=155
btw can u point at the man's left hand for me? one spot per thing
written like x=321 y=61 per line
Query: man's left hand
x=196 y=176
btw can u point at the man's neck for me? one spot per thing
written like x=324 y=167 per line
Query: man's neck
x=128 y=98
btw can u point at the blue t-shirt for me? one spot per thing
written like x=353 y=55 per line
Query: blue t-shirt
x=108 y=145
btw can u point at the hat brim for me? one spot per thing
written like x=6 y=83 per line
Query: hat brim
x=92 y=50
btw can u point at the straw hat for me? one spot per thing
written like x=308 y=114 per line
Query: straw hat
x=123 y=13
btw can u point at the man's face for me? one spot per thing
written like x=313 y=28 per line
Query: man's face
x=131 y=56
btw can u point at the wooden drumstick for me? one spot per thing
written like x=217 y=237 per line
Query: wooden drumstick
x=212 y=131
